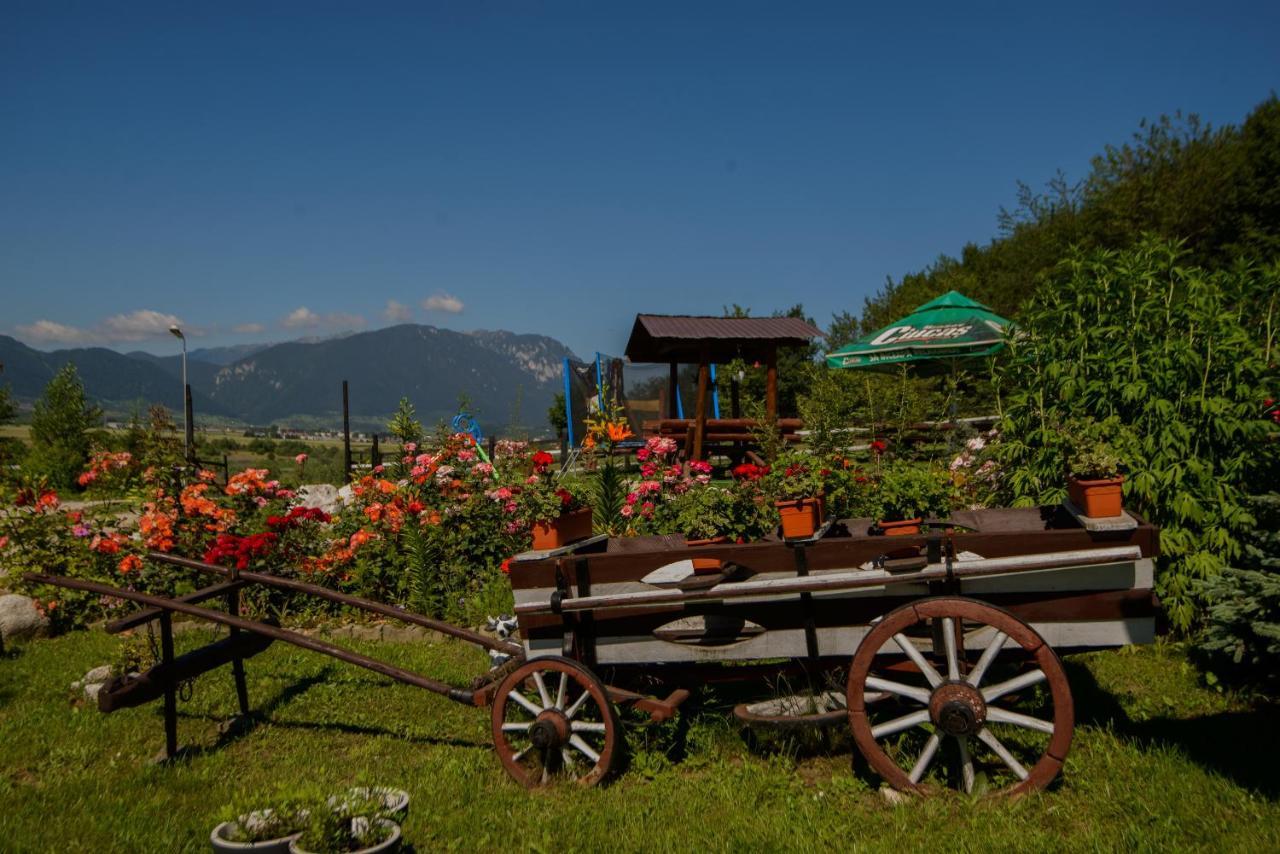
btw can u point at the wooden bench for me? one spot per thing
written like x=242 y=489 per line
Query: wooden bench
x=733 y=436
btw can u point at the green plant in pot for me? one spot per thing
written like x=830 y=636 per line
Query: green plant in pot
x=554 y=508
x=355 y=824
x=1095 y=483
x=704 y=515
x=908 y=493
x=262 y=830
x=795 y=482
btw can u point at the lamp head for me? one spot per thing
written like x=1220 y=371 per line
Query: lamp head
x=176 y=332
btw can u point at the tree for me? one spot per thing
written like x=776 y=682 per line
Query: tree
x=60 y=426
x=557 y=415
x=8 y=409
x=404 y=425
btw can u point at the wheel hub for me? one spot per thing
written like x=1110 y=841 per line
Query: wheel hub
x=549 y=731
x=958 y=709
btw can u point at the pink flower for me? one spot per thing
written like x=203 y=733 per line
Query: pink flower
x=424 y=459
x=628 y=511
x=300 y=459
x=484 y=469
x=410 y=447
x=642 y=454
x=466 y=455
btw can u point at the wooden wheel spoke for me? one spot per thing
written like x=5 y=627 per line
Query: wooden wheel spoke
x=516 y=727
x=585 y=726
x=542 y=690
x=997 y=747
x=904 y=643
x=577 y=705
x=564 y=685
x=584 y=748
x=526 y=704
x=988 y=655
x=949 y=645
x=926 y=756
x=1004 y=716
x=899 y=724
x=1026 y=680
x=966 y=764
x=875 y=683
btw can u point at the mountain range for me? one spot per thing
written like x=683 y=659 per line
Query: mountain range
x=507 y=378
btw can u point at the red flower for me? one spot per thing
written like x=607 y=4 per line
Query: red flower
x=415 y=507
x=566 y=497
x=879 y=446
x=506 y=566
x=750 y=471
x=542 y=461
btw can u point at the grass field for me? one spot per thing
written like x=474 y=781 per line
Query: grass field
x=1159 y=763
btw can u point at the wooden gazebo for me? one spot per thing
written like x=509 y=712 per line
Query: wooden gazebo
x=692 y=340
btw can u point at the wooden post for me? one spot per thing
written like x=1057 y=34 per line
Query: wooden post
x=170 y=689
x=673 y=390
x=704 y=373
x=771 y=386
x=346 y=435
x=375 y=453
x=735 y=402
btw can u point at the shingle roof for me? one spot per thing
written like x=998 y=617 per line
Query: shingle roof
x=685 y=338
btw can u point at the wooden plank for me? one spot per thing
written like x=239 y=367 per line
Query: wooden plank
x=572 y=548
x=146 y=615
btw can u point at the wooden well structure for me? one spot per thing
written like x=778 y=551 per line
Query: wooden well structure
x=700 y=340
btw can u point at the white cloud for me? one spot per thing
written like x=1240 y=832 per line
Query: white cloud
x=248 y=328
x=49 y=331
x=441 y=301
x=304 y=318
x=140 y=325
x=301 y=318
x=397 y=312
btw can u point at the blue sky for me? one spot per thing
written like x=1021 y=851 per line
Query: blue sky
x=267 y=170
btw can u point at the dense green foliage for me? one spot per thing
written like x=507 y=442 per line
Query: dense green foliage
x=1241 y=642
x=404 y=424
x=60 y=429
x=1218 y=190
x=1179 y=358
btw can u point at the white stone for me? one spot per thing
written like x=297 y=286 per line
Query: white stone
x=97 y=674
x=19 y=618
x=323 y=496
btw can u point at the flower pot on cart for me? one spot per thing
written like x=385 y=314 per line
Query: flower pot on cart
x=799 y=517
x=563 y=530
x=901 y=527
x=1099 y=498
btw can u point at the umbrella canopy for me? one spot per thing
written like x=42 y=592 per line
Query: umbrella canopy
x=949 y=328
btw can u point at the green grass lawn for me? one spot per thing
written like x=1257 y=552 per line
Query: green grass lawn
x=1159 y=763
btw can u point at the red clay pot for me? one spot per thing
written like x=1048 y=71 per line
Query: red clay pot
x=799 y=517
x=1097 y=499
x=566 y=529
x=901 y=527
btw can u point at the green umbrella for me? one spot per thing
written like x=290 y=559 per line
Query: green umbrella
x=945 y=330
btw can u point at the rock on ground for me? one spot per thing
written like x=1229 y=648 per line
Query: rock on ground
x=19 y=618
x=323 y=496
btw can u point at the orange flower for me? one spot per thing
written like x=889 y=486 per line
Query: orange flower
x=589 y=442
x=130 y=563
x=618 y=432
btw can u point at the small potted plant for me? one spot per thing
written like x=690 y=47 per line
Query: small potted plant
x=906 y=493
x=1094 y=482
x=796 y=483
x=261 y=831
x=357 y=825
x=703 y=516
x=556 y=513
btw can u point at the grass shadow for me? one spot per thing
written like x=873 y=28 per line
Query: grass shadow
x=1238 y=745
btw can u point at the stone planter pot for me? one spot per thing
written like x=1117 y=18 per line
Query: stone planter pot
x=390 y=843
x=901 y=527
x=219 y=841
x=1097 y=499
x=566 y=529
x=799 y=517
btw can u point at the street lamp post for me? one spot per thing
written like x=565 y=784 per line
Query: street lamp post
x=186 y=428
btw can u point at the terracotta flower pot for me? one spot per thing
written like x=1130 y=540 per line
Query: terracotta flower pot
x=799 y=517
x=1097 y=498
x=565 y=529
x=901 y=527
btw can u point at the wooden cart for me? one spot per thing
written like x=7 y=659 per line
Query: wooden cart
x=945 y=645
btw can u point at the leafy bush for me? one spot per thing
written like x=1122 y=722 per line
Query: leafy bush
x=906 y=490
x=60 y=429
x=1176 y=358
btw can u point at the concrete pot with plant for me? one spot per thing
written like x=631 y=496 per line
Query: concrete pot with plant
x=359 y=823
x=261 y=831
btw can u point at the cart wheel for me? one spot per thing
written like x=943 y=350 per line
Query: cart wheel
x=968 y=683
x=552 y=720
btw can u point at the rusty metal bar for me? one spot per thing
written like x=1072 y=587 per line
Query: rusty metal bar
x=834 y=582
x=343 y=599
x=146 y=615
x=458 y=695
